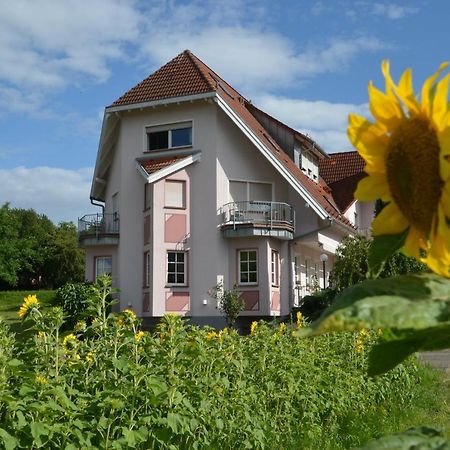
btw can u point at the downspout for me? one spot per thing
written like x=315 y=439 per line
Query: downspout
x=102 y=205
x=290 y=252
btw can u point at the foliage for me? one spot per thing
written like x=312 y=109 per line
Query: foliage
x=34 y=253
x=425 y=438
x=111 y=385
x=355 y=261
x=312 y=306
x=231 y=303
x=74 y=299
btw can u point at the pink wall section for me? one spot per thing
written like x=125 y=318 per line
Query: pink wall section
x=275 y=306
x=174 y=227
x=251 y=300
x=177 y=301
x=146 y=302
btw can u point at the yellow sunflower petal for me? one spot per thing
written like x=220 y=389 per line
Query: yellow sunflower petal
x=426 y=88
x=413 y=243
x=440 y=108
x=384 y=108
x=370 y=140
x=406 y=92
x=445 y=199
x=373 y=187
x=389 y=221
x=390 y=86
x=444 y=144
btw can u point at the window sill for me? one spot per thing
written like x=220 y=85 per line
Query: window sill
x=182 y=147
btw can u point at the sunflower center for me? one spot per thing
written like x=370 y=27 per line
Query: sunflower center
x=412 y=166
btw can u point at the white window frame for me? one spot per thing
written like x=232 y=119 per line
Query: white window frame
x=275 y=267
x=148 y=271
x=248 y=182
x=96 y=263
x=169 y=128
x=184 y=283
x=247 y=283
x=183 y=183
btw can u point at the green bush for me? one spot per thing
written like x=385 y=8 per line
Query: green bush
x=312 y=306
x=110 y=385
x=73 y=298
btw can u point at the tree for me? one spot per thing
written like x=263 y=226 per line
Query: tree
x=9 y=253
x=351 y=265
x=36 y=253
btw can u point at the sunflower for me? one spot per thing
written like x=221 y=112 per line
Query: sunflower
x=29 y=302
x=407 y=155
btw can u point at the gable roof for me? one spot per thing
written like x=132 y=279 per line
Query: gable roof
x=186 y=75
x=341 y=165
x=178 y=78
x=342 y=171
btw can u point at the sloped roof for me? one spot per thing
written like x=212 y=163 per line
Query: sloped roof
x=179 y=77
x=153 y=165
x=342 y=172
x=340 y=165
x=188 y=75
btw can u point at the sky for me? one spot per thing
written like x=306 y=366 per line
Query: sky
x=305 y=62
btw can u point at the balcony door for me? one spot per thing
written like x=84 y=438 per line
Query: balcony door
x=244 y=191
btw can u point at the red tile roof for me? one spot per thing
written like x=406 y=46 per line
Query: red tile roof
x=187 y=75
x=153 y=165
x=342 y=172
x=340 y=165
x=178 y=78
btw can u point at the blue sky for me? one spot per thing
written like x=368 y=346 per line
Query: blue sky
x=306 y=62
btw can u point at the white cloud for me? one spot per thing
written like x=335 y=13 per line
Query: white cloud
x=325 y=122
x=393 y=11
x=61 y=194
x=46 y=44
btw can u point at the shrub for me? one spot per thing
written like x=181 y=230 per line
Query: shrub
x=231 y=303
x=74 y=300
x=312 y=306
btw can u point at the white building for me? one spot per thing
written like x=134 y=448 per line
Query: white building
x=199 y=187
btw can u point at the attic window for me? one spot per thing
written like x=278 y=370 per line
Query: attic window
x=169 y=136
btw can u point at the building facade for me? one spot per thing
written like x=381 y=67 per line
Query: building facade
x=196 y=188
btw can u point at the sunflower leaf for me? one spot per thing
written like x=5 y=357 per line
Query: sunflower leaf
x=399 y=345
x=381 y=248
x=414 y=311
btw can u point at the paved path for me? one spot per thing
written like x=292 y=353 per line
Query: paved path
x=440 y=360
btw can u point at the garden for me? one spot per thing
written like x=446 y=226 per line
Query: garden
x=105 y=383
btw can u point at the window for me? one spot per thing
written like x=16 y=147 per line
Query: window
x=176 y=268
x=248 y=267
x=147 y=269
x=115 y=206
x=175 y=194
x=147 y=196
x=165 y=137
x=244 y=191
x=103 y=265
x=275 y=264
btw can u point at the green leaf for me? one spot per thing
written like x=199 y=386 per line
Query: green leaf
x=386 y=355
x=406 y=302
x=415 y=308
x=9 y=441
x=423 y=438
x=38 y=429
x=381 y=248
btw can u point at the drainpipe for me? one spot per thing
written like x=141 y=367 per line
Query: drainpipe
x=290 y=253
x=102 y=205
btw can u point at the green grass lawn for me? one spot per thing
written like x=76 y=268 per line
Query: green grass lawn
x=10 y=302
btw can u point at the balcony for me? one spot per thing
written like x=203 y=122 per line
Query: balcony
x=256 y=218
x=98 y=229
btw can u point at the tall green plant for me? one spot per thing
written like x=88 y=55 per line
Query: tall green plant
x=230 y=302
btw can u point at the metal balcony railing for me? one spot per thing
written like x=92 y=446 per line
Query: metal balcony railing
x=266 y=214
x=98 y=224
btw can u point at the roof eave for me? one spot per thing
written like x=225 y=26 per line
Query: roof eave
x=321 y=212
x=160 y=102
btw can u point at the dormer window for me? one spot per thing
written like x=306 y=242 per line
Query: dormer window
x=169 y=136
